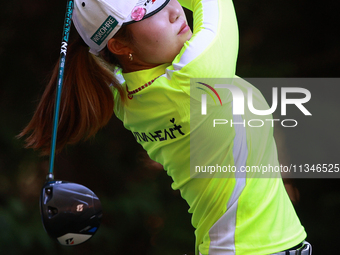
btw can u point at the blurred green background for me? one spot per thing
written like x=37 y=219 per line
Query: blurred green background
x=142 y=214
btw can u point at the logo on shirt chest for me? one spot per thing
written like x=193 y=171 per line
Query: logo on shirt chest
x=160 y=135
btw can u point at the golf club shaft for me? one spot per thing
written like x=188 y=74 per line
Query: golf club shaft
x=64 y=44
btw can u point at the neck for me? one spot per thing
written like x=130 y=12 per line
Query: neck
x=135 y=65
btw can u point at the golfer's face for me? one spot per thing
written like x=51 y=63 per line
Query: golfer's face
x=159 y=38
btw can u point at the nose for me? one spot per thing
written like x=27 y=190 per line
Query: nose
x=174 y=11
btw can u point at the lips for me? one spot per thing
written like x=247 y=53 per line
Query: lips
x=184 y=28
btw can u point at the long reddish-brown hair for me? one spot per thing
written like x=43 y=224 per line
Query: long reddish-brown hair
x=86 y=99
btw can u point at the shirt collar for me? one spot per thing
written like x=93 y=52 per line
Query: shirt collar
x=134 y=80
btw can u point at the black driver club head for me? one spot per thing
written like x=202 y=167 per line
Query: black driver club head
x=70 y=212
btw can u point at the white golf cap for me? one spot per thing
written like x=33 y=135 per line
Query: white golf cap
x=97 y=21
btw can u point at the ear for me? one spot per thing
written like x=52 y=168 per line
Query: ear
x=117 y=47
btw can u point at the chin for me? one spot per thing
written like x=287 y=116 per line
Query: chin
x=189 y=35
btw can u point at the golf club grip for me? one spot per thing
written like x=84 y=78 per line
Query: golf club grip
x=63 y=51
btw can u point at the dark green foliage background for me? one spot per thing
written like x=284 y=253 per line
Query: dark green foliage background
x=142 y=214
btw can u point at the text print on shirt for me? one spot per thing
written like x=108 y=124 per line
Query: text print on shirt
x=159 y=135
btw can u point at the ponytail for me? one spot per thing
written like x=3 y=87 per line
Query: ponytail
x=86 y=102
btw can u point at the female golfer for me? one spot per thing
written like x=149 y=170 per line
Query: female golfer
x=183 y=117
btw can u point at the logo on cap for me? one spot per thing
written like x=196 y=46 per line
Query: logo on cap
x=104 y=30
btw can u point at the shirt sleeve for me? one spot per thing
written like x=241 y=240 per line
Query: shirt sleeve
x=212 y=50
